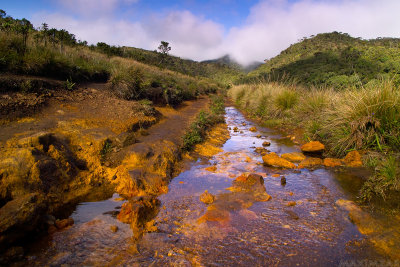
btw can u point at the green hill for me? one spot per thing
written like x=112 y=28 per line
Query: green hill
x=333 y=59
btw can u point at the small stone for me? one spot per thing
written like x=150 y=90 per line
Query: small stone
x=114 y=228
x=243 y=124
x=207 y=198
x=253 y=129
x=211 y=168
x=61 y=224
x=283 y=180
x=291 y=203
x=235 y=129
x=258 y=135
x=266 y=143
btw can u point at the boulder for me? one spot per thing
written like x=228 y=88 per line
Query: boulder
x=310 y=162
x=313 y=147
x=331 y=162
x=293 y=157
x=273 y=160
x=207 y=198
x=353 y=159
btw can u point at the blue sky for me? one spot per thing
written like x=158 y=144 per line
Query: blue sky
x=249 y=30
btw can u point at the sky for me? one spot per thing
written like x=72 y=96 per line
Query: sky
x=248 y=30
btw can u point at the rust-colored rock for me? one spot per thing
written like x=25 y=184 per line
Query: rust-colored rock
x=211 y=168
x=61 y=224
x=310 y=162
x=114 y=228
x=353 y=159
x=313 y=147
x=273 y=160
x=332 y=162
x=253 y=129
x=207 y=198
x=293 y=157
x=235 y=129
x=266 y=143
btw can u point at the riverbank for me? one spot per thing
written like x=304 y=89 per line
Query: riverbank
x=363 y=119
x=84 y=145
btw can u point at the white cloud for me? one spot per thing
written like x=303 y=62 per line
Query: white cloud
x=271 y=26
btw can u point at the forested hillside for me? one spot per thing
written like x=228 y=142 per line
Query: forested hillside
x=334 y=59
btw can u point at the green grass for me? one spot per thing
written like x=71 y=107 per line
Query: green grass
x=204 y=121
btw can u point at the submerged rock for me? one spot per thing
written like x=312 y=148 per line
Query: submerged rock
x=293 y=157
x=313 y=147
x=353 y=159
x=283 y=180
x=207 y=198
x=273 y=160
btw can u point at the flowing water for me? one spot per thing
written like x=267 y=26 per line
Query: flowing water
x=300 y=226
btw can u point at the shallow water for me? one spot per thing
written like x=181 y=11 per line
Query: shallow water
x=313 y=231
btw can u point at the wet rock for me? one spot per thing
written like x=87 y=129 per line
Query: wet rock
x=114 y=228
x=61 y=224
x=253 y=129
x=211 y=168
x=261 y=150
x=266 y=143
x=291 y=203
x=207 y=198
x=235 y=129
x=353 y=159
x=332 y=162
x=244 y=124
x=310 y=163
x=293 y=157
x=250 y=179
x=273 y=160
x=313 y=147
x=19 y=217
x=283 y=180
x=292 y=215
x=258 y=135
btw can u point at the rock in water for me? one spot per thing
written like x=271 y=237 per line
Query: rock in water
x=310 y=162
x=283 y=180
x=207 y=198
x=273 y=160
x=332 y=162
x=293 y=157
x=253 y=129
x=266 y=143
x=313 y=147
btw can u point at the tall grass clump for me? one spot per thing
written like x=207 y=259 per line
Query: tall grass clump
x=367 y=118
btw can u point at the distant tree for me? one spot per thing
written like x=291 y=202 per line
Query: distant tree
x=45 y=32
x=164 y=48
x=23 y=26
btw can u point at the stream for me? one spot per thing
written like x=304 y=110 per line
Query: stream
x=301 y=225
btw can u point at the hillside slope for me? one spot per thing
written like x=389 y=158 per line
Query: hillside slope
x=334 y=59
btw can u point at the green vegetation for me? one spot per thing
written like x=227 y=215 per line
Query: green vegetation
x=204 y=121
x=57 y=54
x=334 y=59
x=366 y=118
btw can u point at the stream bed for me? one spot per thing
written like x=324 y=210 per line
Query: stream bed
x=301 y=225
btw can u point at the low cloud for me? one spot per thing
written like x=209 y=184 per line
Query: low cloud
x=271 y=26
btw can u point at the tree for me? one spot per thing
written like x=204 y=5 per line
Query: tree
x=2 y=14
x=164 y=48
x=23 y=27
x=45 y=32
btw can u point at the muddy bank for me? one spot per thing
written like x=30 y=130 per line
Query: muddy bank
x=86 y=145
